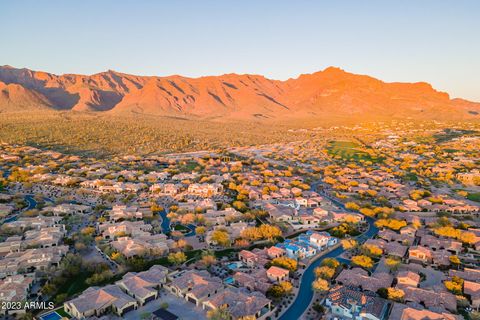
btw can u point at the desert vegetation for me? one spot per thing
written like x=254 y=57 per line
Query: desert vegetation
x=102 y=135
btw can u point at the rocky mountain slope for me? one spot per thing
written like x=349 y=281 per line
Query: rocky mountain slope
x=329 y=93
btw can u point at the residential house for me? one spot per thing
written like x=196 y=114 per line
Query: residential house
x=467 y=274
x=309 y=221
x=312 y=203
x=408 y=278
x=389 y=248
x=319 y=240
x=31 y=260
x=472 y=291
x=124 y=212
x=434 y=300
x=434 y=243
x=194 y=286
x=441 y=259
x=144 y=286
x=205 y=189
x=133 y=228
x=11 y=244
x=420 y=254
x=240 y=303
x=359 y=278
x=300 y=247
x=404 y=312
x=347 y=216
x=322 y=214
x=43 y=238
x=392 y=236
x=5 y=209
x=280 y=213
x=408 y=230
x=275 y=252
x=277 y=274
x=15 y=289
x=302 y=202
x=95 y=302
x=252 y=260
x=411 y=206
x=169 y=189
x=69 y=209
x=154 y=244
x=37 y=222
x=254 y=281
x=346 y=303
x=219 y=217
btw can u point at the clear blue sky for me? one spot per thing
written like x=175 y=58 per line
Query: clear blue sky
x=430 y=40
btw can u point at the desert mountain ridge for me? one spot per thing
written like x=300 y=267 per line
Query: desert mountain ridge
x=327 y=93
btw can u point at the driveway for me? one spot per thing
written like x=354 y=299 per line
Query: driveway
x=183 y=309
x=434 y=279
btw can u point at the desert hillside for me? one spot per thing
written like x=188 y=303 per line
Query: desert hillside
x=328 y=93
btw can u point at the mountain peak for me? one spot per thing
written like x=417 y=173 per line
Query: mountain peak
x=333 y=69
x=332 y=92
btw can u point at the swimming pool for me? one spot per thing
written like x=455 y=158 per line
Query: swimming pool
x=229 y=280
x=51 y=316
x=233 y=266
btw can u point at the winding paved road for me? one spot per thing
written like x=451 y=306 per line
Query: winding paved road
x=166 y=225
x=305 y=292
x=31 y=204
x=165 y=222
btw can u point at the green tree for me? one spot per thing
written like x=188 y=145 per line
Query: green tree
x=454 y=260
x=221 y=237
x=331 y=262
x=200 y=230
x=320 y=285
x=324 y=272
x=349 y=244
x=455 y=285
x=395 y=294
x=177 y=258
x=279 y=290
x=392 y=263
x=286 y=263
x=362 y=261
x=371 y=250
